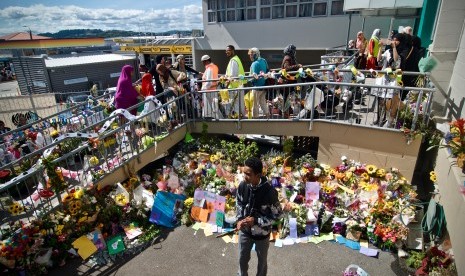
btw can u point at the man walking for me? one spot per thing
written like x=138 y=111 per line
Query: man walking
x=258 y=208
x=210 y=99
x=233 y=70
x=259 y=96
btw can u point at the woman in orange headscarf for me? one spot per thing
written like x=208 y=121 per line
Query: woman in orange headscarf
x=147 y=86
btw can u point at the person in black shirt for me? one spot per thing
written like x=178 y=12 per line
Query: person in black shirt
x=258 y=208
x=160 y=59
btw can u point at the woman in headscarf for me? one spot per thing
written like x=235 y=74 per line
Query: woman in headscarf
x=289 y=63
x=408 y=56
x=126 y=94
x=360 y=44
x=373 y=49
x=147 y=86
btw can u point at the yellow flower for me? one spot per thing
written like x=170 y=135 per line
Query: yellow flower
x=93 y=161
x=349 y=174
x=74 y=206
x=433 y=177
x=121 y=199
x=54 y=133
x=15 y=209
x=371 y=169
x=59 y=228
x=78 y=193
x=188 y=202
x=365 y=176
x=381 y=173
x=303 y=171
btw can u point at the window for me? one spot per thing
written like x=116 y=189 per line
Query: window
x=305 y=10
x=211 y=16
x=278 y=2
x=319 y=9
x=240 y=15
x=278 y=12
x=251 y=3
x=265 y=2
x=251 y=14
x=291 y=11
x=231 y=15
x=211 y=4
x=240 y=4
x=337 y=7
x=231 y=4
x=221 y=16
x=292 y=1
x=265 y=13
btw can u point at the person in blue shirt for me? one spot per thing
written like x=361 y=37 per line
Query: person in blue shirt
x=258 y=66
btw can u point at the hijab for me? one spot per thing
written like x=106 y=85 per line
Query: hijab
x=376 y=33
x=124 y=81
x=290 y=51
x=147 y=86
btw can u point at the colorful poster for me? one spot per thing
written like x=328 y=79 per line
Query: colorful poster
x=97 y=238
x=312 y=192
x=211 y=203
x=165 y=208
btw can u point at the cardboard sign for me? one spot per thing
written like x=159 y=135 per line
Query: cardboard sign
x=165 y=208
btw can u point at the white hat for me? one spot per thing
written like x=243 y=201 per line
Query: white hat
x=205 y=57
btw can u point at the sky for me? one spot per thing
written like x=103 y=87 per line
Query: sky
x=140 y=16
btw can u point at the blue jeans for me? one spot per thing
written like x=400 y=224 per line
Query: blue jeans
x=245 y=246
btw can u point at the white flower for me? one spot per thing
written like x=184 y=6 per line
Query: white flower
x=317 y=172
x=343 y=158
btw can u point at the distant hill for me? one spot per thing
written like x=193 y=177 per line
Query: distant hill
x=84 y=33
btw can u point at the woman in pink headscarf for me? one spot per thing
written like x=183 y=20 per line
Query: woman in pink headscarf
x=126 y=95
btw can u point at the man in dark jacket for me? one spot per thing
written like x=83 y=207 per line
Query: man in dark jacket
x=258 y=208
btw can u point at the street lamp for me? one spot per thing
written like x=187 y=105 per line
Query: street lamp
x=30 y=32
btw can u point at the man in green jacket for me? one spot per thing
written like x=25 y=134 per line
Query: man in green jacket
x=234 y=70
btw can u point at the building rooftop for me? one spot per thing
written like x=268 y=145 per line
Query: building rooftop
x=22 y=36
x=87 y=59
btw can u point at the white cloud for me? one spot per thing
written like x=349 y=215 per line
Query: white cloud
x=42 y=19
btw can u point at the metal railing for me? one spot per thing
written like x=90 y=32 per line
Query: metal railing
x=121 y=136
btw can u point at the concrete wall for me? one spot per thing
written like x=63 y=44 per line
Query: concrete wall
x=305 y=33
x=448 y=49
x=451 y=179
x=379 y=147
x=45 y=105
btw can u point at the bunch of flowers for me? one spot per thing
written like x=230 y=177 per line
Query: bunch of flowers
x=455 y=141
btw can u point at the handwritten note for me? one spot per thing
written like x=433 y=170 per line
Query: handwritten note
x=278 y=243
x=196 y=226
x=293 y=228
x=227 y=239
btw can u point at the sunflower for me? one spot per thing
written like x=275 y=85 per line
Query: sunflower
x=121 y=199
x=432 y=176
x=15 y=209
x=381 y=173
x=68 y=197
x=365 y=176
x=371 y=169
x=74 y=206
